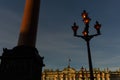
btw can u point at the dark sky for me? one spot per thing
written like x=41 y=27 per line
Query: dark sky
x=55 y=40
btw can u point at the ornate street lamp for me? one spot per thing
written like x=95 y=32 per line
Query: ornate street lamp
x=87 y=37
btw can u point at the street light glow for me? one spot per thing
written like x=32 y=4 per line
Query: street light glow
x=84 y=14
x=85 y=33
x=86 y=20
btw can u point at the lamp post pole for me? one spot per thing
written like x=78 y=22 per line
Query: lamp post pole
x=90 y=61
x=87 y=37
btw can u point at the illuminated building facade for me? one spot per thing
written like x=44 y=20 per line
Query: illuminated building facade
x=71 y=74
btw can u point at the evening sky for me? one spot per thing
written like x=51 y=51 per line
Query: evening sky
x=55 y=40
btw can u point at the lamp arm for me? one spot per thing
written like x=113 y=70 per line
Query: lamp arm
x=79 y=36
x=95 y=35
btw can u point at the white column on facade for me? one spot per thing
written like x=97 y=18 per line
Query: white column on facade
x=98 y=76
x=103 y=76
x=61 y=77
x=74 y=77
x=66 y=78
x=55 y=77
x=43 y=77
x=107 y=76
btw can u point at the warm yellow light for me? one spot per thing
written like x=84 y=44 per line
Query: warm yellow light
x=86 y=20
x=84 y=33
x=84 y=14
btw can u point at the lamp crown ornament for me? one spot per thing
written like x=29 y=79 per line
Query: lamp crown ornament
x=86 y=21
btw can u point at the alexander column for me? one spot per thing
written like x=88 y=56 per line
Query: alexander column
x=23 y=62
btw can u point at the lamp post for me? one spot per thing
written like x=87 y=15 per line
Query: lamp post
x=87 y=37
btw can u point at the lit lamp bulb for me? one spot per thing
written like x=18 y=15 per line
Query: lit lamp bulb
x=75 y=28
x=85 y=17
x=97 y=27
x=85 y=33
x=86 y=20
x=84 y=14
